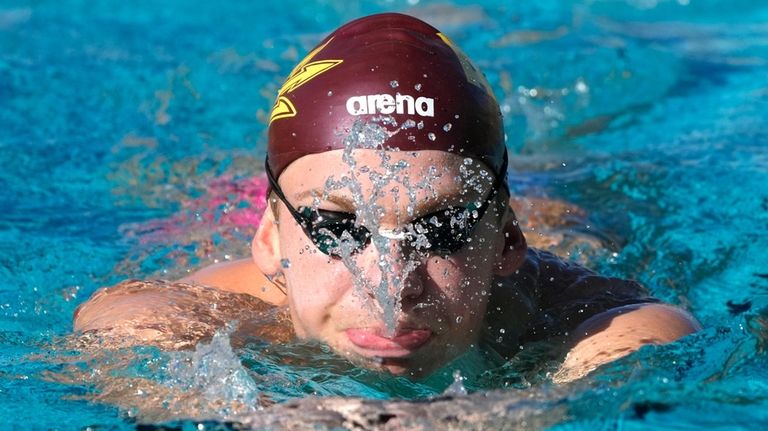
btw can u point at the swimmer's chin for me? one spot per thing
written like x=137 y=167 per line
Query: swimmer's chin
x=400 y=367
x=397 y=368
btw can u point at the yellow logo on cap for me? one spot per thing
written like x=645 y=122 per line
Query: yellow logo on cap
x=304 y=72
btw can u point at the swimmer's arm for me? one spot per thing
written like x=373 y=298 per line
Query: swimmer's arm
x=620 y=331
x=238 y=276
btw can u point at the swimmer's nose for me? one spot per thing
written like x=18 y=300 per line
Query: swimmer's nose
x=388 y=261
x=412 y=288
x=402 y=268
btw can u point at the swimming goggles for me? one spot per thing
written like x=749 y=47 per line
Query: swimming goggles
x=441 y=232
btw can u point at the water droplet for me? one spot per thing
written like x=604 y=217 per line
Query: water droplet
x=459 y=319
x=394 y=84
x=581 y=86
x=285 y=263
x=447 y=127
x=330 y=93
x=431 y=136
x=420 y=125
x=417 y=87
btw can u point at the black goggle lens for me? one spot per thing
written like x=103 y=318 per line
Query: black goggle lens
x=333 y=231
x=448 y=230
x=443 y=232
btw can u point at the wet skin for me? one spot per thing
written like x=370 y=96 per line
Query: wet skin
x=440 y=302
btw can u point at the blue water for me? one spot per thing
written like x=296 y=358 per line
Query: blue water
x=649 y=114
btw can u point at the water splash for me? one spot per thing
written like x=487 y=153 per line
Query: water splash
x=396 y=259
x=457 y=387
x=223 y=388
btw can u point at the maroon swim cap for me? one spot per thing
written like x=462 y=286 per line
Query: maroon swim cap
x=388 y=65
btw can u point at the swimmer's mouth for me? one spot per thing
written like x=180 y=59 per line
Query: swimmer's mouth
x=372 y=343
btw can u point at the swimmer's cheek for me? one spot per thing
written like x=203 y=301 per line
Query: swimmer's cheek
x=618 y=332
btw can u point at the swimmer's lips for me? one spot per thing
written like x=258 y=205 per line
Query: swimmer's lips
x=404 y=343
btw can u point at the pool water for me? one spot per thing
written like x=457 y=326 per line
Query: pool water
x=129 y=132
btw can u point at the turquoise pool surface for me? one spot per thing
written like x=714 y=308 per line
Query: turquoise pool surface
x=117 y=119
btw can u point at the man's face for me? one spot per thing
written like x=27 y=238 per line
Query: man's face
x=393 y=304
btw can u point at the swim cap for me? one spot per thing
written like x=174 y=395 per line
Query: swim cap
x=386 y=66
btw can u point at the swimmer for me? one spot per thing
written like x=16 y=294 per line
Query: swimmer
x=389 y=234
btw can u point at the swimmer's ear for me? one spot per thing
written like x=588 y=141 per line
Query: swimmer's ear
x=265 y=247
x=511 y=252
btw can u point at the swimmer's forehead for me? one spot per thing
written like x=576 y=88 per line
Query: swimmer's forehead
x=432 y=177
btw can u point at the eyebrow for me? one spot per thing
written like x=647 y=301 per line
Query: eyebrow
x=344 y=202
x=423 y=206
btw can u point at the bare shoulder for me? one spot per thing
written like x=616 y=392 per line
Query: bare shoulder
x=167 y=314
x=239 y=276
x=620 y=331
x=177 y=314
